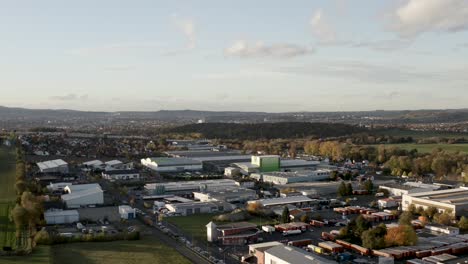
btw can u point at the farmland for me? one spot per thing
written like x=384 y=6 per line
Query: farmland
x=7 y=196
x=427 y=148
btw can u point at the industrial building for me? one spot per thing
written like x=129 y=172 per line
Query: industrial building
x=172 y=164
x=83 y=195
x=395 y=189
x=451 y=200
x=94 y=164
x=258 y=250
x=187 y=187
x=116 y=175
x=291 y=177
x=193 y=207
x=271 y=163
x=114 y=165
x=230 y=195
x=292 y=255
x=211 y=160
x=239 y=233
x=60 y=217
x=299 y=201
x=127 y=212
x=53 y=166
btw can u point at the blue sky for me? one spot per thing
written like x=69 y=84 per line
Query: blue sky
x=265 y=55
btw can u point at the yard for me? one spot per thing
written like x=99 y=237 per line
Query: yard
x=195 y=225
x=144 y=251
x=7 y=196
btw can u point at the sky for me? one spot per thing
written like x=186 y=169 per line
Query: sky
x=243 y=55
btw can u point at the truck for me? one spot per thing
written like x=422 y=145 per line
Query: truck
x=317 y=223
x=300 y=243
x=268 y=229
x=292 y=232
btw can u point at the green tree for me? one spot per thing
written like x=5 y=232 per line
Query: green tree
x=463 y=223
x=405 y=218
x=342 y=191
x=285 y=215
x=349 y=188
x=374 y=238
x=369 y=186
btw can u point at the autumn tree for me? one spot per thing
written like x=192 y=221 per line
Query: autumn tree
x=402 y=235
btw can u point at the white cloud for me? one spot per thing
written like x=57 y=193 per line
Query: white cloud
x=321 y=29
x=187 y=27
x=70 y=97
x=415 y=17
x=244 y=49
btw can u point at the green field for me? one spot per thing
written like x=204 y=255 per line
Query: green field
x=41 y=255
x=7 y=174
x=427 y=148
x=195 y=225
x=7 y=196
x=147 y=251
x=419 y=134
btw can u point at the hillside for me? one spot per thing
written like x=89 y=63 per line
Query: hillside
x=267 y=130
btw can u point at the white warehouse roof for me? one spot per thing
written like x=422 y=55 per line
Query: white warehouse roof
x=283 y=200
x=51 y=164
x=81 y=193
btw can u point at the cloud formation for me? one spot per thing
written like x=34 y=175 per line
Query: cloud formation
x=70 y=97
x=187 y=27
x=415 y=17
x=321 y=28
x=244 y=49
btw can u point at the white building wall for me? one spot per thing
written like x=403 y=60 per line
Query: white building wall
x=91 y=199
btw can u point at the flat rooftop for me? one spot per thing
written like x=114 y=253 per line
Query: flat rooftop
x=294 y=174
x=457 y=196
x=202 y=153
x=51 y=164
x=174 y=161
x=283 y=200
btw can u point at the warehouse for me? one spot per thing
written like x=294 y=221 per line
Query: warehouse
x=452 y=200
x=299 y=201
x=83 y=195
x=272 y=163
x=395 y=189
x=127 y=212
x=239 y=233
x=293 y=255
x=121 y=175
x=94 y=164
x=60 y=217
x=53 y=166
x=258 y=250
x=114 y=165
x=190 y=208
x=291 y=177
x=187 y=187
x=172 y=164
x=230 y=195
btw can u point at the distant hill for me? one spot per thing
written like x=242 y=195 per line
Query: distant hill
x=267 y=130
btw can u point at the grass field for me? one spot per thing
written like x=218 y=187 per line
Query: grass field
x=41 y=255
x=419 y=134
x=427 y=148
x=195 y=225
x=147 y=251
x=7 y=196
